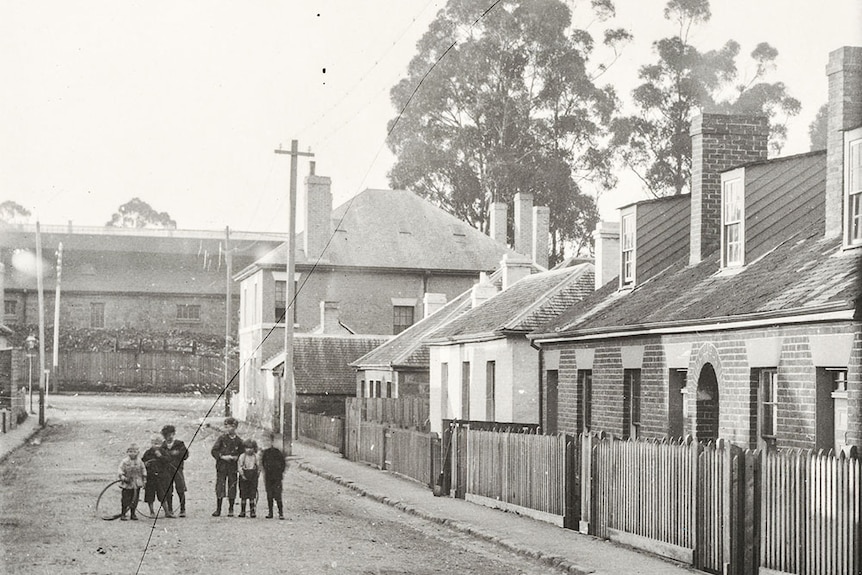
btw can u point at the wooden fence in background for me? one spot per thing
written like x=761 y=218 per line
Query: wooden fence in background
x=324 y=430
x=408 y=453
x=402 y=412
x=518 y=470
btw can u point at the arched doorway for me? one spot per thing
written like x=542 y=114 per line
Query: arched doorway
x=706 y=421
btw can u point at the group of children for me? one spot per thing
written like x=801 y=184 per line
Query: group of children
x=159 y=471
x=238 y=462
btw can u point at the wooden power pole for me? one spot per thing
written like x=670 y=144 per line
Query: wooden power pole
x=227 y=314
x=287 y=389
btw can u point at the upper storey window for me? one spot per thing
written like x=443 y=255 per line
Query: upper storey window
x=627 y=260
x=732 y=225
x=853 y=186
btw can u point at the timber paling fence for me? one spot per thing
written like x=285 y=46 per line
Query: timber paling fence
x=402 y=412
x=325 y=430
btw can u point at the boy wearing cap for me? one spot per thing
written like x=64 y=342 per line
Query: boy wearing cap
x=226 y=452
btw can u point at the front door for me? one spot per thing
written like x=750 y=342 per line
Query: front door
x=839 y=399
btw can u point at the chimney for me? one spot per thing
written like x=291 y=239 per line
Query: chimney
x=318 y=214
x=329 y=317
x=515 y=267
x=718 y=142
x=541 y=229
x=606 y=238
x=499 y=215
x=523 y=224
x=844 y=71
x=482 y=291
x=432 y=302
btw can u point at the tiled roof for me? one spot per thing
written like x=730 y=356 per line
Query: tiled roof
x=398 y=229
x=524 y=305
x=803 y=274
x=322 y=362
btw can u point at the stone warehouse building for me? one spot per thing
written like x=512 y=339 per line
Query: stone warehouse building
x=753 y=334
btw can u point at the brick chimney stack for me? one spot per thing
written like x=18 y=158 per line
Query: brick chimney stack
x=482 y=291
x=844 y=71
x=523 y=224
x=329 y=317
x=499 y=215
x=432 y=302
x=318 y=213
x=718 y=142
x=606 y=238
x=541 y=229
x=514 y=268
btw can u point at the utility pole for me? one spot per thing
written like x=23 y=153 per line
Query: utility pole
x=41 y=300
x=227 y=375
x=55 y=357
x=287 y=397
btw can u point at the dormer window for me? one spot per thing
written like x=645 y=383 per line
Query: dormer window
x=732 y=225
x=627 y=261
x=853 y=186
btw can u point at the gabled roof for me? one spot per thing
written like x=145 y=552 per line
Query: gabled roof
x=805 y=274
x=322 y=362
x=397 y=229
x=526 y=304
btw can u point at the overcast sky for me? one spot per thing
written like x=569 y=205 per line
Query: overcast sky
x=182 y=103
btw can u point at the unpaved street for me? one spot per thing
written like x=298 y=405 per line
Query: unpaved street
x=48 y=525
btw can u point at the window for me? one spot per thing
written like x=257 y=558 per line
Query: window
x=388 y=389
x=490 y=390
x=631 y=403
x=585 y=391
x=280 y=300
x=854 y=190
x=552 y=379
x=732 y=231
x=768 y=403
x=362 y=388
x=188 y=312
x=628 y=250
x=465 y=390
x=676 y=403
x=97 y=315
x=402 y=318
x=10 y=307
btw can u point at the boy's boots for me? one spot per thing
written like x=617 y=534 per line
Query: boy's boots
x=269 y=502
x=182 y=497
x=242 y=508
x=280 y=509
x=217 y=512
x=230 y=507
x=251 y=510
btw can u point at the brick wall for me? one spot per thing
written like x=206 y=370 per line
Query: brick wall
x=844 y=71
x=719 y=142
x=727 y=354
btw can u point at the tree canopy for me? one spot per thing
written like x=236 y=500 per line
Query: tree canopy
x=683 y=81
x=817 y=129
x=510 y=105
x=137 y=213
x=13 y=212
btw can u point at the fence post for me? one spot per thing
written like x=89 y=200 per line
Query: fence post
x=572 y=487
x=750 y=513
x=587 y=467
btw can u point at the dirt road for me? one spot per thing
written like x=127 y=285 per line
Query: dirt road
x=48 y=525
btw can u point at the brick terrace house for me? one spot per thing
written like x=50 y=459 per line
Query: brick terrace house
x=754 y=335
x=482 y=366
x=373 y=260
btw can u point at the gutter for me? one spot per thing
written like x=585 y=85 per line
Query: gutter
x=832 y=312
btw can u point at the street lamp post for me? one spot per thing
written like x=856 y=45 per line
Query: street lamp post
x=30 y=347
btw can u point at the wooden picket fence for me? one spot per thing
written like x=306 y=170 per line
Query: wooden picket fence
x=402 y=412
x=518 y=470
x=408 y=453
x=324 y=430
x=810 y=513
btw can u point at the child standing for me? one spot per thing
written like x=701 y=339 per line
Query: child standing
x=249 y=471
x=226 y=451
x=273 y=464
x=177 y=453
x=133 y=476
x=154 y=462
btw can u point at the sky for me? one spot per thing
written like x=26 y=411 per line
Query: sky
x=182 y=104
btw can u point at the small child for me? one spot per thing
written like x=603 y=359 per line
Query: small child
x=273 y=464
x=133 y=476
x=154 y=461
x=249 y=470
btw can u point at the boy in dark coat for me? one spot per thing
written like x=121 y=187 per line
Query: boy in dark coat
x=176 y=452
x=273 y=464
x=226 y=451
x=154 y=460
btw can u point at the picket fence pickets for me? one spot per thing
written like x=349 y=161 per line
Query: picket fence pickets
x=408 y=454
x=523 y=469
x=326 y=430
x=404 y=413
x=810 y=518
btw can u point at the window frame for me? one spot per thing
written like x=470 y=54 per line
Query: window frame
x=585 y=389
x=632 y=396
x=852 y=198
x=628 y=249
x=490 y=390
x=398 y=327
x=14 y=305
x=188 y=319
x=100 y=306
x=767 y=375
x=733 y=183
